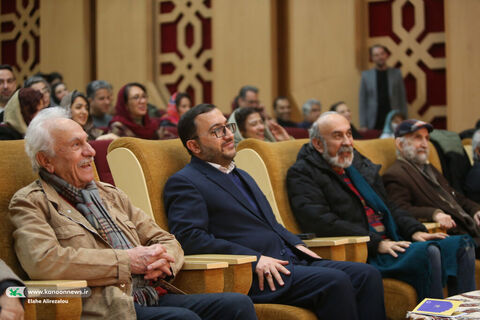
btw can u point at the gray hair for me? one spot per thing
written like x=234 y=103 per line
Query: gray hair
x=243 y=91
x=314 y=131
x=38 y=138
x=475 y=145
x=35 y=79
x=307 y=106
x=96 y=85
x=402 y=140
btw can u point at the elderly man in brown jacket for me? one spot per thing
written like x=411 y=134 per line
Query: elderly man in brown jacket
x=70 y=227
x=418 y=187
x=10 y=308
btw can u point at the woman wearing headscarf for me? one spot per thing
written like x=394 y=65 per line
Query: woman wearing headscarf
x=393 y=119
x=19 y=111
x=78 y=107
x=131 y=119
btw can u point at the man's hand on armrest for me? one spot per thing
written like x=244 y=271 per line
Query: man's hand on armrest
x=307 y=251
x=11 y=308
x=444 y=219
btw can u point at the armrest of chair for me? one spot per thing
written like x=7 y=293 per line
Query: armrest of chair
x=433 y=227
x=72 y=309
x=238 y=275
x=357 y=250
x=201 y=276
x=333 y=248
x=344 y=248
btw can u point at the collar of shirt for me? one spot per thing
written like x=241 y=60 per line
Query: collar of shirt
x=226 y=170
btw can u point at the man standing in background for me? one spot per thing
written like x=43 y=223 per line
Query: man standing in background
x=381 y=90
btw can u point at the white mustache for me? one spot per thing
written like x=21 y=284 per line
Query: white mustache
x=85 y=161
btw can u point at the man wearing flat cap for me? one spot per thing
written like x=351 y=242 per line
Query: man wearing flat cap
x=418 y=187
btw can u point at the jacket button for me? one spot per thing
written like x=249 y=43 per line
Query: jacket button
x=282 y=252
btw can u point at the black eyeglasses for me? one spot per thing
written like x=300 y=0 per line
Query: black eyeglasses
x=221 y=131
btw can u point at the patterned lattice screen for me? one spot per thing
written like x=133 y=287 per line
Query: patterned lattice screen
x=413 y=32
x=183 y=48
x=20 y=36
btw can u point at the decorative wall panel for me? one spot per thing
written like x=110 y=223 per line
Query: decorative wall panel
x=19 y=36
x=183 y=55
x=413 y=32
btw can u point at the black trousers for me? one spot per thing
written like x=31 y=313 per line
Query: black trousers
x=332 y=290
x=199 y=306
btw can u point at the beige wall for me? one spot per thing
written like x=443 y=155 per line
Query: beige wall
x=244 y=42
x=65 y=40
x=124 y=42
x=322 y=60
x=463 y=63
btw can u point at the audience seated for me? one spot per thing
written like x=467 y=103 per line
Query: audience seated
x=8 y=85
x=91 y=231
x=251 y=124
x=77 y=106
x=10 y=308
x=59 y=90
x=393 y=119
x=131 y=118
x=335 y=191
x=42 y=86
x=311 y=110
x=214 y=207
x=342 y=108
x=19 y=111
x=472 y=180
x=283 y=112
x=418 y=187
x=178 y=104
x=99 y=94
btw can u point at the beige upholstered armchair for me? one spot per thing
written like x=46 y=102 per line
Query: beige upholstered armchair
x=141 y=169
x=16 y=172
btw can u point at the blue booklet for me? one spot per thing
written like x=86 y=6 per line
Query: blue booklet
x=439 y=307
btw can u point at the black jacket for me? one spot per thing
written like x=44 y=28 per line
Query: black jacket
x=325 y=205
x=9 y=133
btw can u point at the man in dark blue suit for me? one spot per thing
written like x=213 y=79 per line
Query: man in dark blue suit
x=216 y=208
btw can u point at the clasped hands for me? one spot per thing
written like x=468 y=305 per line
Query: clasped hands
x=153 y=261
x=392 y=247
x=269 y=268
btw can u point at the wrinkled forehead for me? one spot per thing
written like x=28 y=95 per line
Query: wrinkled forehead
x=64 y=130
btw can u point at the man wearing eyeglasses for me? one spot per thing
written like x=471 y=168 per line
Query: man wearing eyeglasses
x=214 y=207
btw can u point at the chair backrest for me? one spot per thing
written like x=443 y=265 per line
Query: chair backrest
x=101 y=164
x=278 y=157
x=16 y=172
x=297 y=133
x=142 y=167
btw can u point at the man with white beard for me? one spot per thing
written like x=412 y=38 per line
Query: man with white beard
x=335 y=191
x=418 y=187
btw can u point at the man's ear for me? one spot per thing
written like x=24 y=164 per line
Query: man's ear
x=399 y=144
x=45 y=161
x=193 y=146
x=317 y=144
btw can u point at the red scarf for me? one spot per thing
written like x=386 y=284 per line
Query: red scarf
x=145 y=131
